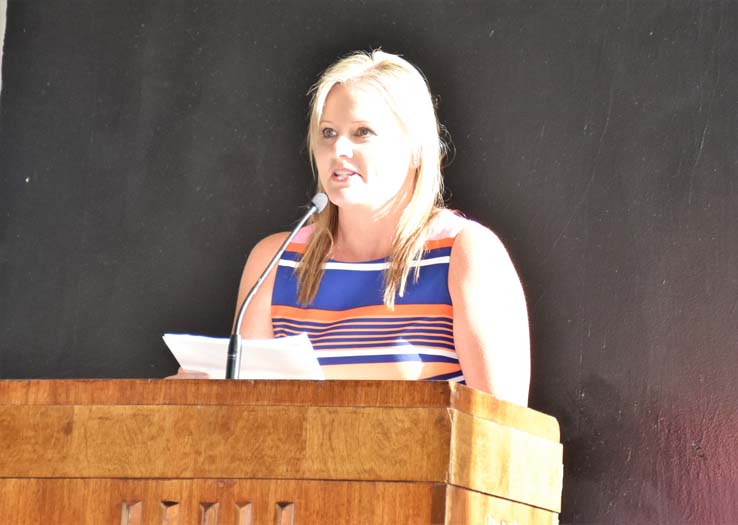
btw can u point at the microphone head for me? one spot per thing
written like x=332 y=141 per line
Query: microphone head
x=320 y=201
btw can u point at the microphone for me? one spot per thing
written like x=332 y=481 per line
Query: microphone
x=233 y=364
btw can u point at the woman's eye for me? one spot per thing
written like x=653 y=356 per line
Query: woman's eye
x=364 y=132
x=328 y=133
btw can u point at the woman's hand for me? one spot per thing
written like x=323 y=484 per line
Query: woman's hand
x=188 y=374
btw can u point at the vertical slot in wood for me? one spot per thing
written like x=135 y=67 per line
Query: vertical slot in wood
x=209 y=513
x=169 y=513
x=244 y=513
x=131 y=513
x=285 y=513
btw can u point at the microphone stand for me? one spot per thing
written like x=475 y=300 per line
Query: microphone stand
x=233 y=364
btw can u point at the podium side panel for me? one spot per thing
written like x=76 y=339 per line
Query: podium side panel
x=464 y=506
x=505 y=462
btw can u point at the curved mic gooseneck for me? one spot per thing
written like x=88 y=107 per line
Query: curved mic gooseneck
x=233 y=364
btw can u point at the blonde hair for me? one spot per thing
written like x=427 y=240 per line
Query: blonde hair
x=405 y=91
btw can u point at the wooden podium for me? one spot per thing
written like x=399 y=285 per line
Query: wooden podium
x=272 y=452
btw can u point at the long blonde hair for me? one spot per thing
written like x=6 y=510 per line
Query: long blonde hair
x=406 y=94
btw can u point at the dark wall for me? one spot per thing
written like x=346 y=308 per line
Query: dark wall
x=146 y=146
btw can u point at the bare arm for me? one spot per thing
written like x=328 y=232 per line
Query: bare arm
x=491 y=331
x=257 y=321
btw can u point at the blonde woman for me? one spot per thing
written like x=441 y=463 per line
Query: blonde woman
x=386 y=282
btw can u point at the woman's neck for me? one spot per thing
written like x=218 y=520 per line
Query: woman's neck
x=364 y=235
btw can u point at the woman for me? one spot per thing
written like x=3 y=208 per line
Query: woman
x=389 y=284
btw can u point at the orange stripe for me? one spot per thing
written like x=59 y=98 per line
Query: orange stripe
x=411 y=336
x=414 y=336
x=360 y=333
x=398 y=319
x=439 y=243
x=296 y=329
x=296 y=247
x=378 y=337
x=411 y=310
x=389 y=326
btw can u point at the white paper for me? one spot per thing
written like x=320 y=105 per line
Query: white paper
x=282 y=358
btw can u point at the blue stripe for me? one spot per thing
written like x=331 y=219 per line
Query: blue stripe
x=347 y=289
x=385 y=358
x=417 y=332
x=290 y=256
x=445 y=377
x=373 y=339
x=437 y=252
x=373 y=322
x=390 y=344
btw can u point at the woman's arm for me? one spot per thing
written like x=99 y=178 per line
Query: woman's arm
x=257 y=321
x=491 y=331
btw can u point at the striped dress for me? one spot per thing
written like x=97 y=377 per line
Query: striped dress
x=355 y=336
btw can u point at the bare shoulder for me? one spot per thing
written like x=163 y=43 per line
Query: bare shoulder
x=259 y=258
x=264 y=250
x=478 y=244
x=473 y=231
x=479 y=261
x=269 y=242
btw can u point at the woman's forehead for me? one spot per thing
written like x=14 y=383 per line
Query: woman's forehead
x=355 y=101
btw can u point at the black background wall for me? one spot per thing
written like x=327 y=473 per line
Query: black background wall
x=146 y=146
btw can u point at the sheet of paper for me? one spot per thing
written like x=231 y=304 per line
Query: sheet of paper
x=282 y=358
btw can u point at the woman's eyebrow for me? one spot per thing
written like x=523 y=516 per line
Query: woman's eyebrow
x=357 y=121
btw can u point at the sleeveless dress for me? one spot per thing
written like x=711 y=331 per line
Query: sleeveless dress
x=355 y=336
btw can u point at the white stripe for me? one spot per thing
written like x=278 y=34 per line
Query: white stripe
x=359 y=267
x=368 y=267
x=386 y=351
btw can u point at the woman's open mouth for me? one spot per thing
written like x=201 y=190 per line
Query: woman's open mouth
x=343 y=175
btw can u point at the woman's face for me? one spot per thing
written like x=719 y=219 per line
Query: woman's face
x=362 y=153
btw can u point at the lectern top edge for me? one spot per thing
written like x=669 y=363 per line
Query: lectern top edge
x=420 y=394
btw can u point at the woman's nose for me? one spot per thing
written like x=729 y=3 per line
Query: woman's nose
x=344 y=147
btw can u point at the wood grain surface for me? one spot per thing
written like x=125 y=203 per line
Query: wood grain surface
x=504 y=461
x=184 y=502
x=286 y=452
x=217 y=441
x=293 y=393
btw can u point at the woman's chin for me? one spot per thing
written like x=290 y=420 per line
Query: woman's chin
x=361 y=199
x=346 y=197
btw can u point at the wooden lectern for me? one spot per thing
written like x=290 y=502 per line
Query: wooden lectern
x=272 y=452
